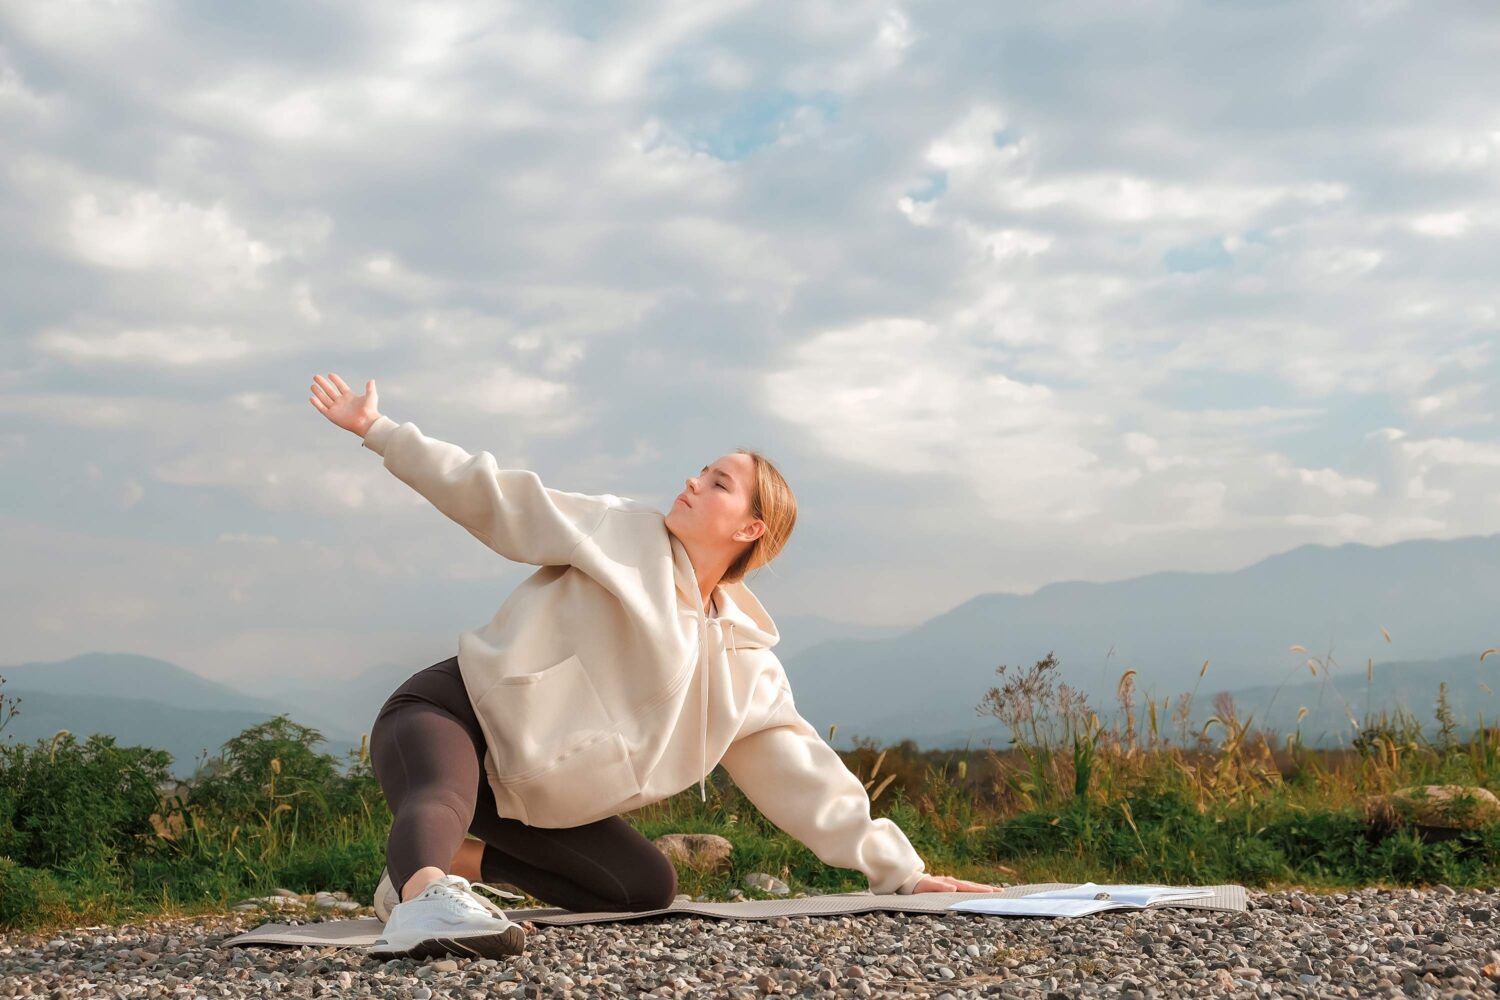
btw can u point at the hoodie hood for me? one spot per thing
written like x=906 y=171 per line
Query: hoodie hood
x=737 y=604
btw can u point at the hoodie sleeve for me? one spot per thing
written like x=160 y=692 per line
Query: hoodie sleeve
x=507 y=509
x=801 y=784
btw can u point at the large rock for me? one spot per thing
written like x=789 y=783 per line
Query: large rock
x=1438 y=810
x=707 y=853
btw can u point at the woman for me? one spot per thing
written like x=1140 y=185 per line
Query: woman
x=621 y=672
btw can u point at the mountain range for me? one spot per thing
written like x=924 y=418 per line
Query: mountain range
x=1411 y=615
x=143 y=701
x=1429 y=605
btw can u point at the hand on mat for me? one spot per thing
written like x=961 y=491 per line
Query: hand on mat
x=339 y=404
x=947 y=883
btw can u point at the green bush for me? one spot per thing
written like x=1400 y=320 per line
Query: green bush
x=268 y=765
x=1032 y=832
x=354 y=867
x=1254 y=861
x=912 y=821
x=1321 y=845
x=27 y=893
x=71 y=805
x=181 y=880
x=270 y=810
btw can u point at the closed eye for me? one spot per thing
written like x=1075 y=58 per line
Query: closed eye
x=721 y=476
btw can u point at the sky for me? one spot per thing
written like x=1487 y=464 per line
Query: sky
x=1010 y=296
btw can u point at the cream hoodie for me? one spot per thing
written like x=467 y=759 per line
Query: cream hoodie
x=600 y=684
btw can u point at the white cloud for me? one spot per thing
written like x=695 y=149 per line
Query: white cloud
x=1454 y=451
x=17 y=98
x=1336 y=484
x=97 y=411
x=174 y=348
x=617 y=71
x=862 y=42
x=118 y=225
x=1341 y=261
x=1005 y=244
x=385 y=272
x=1179 y=321
x=145 y=230
x=248 y=538
x=901 y=398
x=1017 y=177
x=477 y=393
x=970 y=142
x=1442 y=150
x=1442 y=224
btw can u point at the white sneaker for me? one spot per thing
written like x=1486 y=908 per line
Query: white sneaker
x=448 y=918
x=386 y=896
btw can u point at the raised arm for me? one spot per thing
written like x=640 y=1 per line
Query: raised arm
x=507 y=509
x=802 y=785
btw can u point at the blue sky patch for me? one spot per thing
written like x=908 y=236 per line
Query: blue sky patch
x=932 y=187
x=756 y=122
x=1006 y=137
x=1200 y=256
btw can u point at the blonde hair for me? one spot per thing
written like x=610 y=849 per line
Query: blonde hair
x=771 y=501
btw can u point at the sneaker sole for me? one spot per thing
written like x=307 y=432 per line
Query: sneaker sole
x=511 y=941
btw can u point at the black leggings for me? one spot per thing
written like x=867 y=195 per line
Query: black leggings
x=427 y=751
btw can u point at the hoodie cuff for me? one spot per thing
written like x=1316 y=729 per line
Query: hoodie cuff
x=906 y=887
x=378 y=433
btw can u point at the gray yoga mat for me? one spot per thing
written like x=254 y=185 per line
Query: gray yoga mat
x=364 y=931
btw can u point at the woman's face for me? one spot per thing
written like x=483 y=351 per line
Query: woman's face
x=715 y=503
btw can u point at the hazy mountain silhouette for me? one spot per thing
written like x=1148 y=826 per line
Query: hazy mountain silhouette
x=144 y=701
x=1332 y=702
x=128 y=675
x=1437 y=599
x=350 y=704
x=185 y=734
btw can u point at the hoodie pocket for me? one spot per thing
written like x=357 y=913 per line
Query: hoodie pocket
x=587 y=784
x=535 y=720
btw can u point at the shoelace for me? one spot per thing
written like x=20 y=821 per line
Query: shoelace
x=461 y=899
x=498 y=892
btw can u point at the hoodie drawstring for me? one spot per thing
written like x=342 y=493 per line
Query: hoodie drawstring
x=702 y=717
x=703 y=746
x=703 y=704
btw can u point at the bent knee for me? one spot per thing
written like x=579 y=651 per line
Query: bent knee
x=654 y=889
x=436 y=803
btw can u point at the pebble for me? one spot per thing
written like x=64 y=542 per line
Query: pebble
x=1293 y=943
x=766 y=883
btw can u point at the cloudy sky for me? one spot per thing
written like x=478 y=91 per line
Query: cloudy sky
x=1010 y=296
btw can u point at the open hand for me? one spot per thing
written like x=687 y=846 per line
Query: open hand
x=339 y=404
x=947 y=883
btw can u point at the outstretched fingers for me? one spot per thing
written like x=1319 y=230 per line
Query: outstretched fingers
x=328 y=390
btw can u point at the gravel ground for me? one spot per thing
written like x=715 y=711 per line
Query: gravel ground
x=1366 y=943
